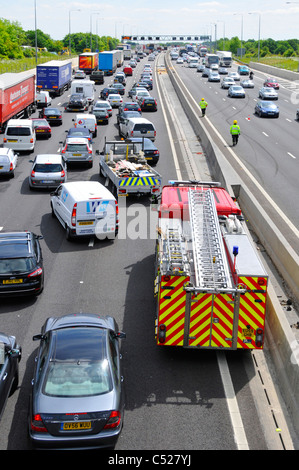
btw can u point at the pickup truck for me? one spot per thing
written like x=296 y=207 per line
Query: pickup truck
x=97 y=76
x=123 y=162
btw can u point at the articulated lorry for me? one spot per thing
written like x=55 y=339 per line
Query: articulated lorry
x=17 y=96
x=54 y=76
x=88 y=61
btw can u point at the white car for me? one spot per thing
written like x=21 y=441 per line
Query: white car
x=214 y=66
x=235 y=76
x=140 y=94
x=115 y=100
x=180 y=60
x=214 y=77
x=8 y=162
x=227 y=82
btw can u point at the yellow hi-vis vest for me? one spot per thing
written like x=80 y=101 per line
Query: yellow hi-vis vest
x=235 y=129
x=203 y=104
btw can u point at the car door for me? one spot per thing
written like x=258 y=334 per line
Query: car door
x=6 y=375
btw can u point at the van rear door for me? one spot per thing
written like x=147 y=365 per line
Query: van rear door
x=96 y=217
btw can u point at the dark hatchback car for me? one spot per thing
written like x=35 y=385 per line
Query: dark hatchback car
x=53 y=115
x=148 y=104
x=21 y=264
x=122 y=116
x=79 y=132
x=77 y=397
x=266 y=109
x=151 y=153
x=77 y=102
x=10 y=356
x=106 y=92
x=119 y=88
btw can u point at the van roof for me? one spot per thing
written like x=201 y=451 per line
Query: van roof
x=139 y=120
x=19 y=122
x=86 y=190
x=85 y=116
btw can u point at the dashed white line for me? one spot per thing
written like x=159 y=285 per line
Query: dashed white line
x=265 y=134
x=287 y=119
x=291 y=155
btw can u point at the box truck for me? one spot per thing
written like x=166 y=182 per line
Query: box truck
x=54 y=76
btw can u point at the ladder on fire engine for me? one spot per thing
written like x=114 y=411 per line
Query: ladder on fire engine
x=210 y=261
x=175 y=260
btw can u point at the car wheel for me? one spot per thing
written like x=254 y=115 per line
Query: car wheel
x=68 y=233
x=15 y=383
x=52 y=210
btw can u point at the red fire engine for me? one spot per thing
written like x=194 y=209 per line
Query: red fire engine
x=210 y=284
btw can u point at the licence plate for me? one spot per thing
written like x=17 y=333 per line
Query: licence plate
x=52 y=117
x=12 y=281
x=88 y=222
x=39 y=130
x=248 y=332
x=48 y=181
x=76 y=426
x=12 y=140
x=1 y=167
x=77 y=155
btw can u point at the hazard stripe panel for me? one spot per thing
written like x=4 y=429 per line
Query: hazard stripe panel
x=252 y=311
x=172 y=305
x=140 y=181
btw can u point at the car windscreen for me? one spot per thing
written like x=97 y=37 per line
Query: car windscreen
x=19 y=131
x=48 y=167
x=40 y=122
x=16 y=265
x=52 y=111
x=79 y=364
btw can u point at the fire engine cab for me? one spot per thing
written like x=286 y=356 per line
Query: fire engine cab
x=210 y=284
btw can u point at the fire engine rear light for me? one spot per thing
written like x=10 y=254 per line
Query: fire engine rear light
x=162 y=333
x=37 y=424
x=259 y=337
x=114 y=420
x=74 y=213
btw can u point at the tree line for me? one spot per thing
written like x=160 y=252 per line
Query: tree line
x=284 y=48
x=13 y=38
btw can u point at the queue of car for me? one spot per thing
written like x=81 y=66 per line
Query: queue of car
x=77 y=397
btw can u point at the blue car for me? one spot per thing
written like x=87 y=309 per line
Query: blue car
x=266 y=108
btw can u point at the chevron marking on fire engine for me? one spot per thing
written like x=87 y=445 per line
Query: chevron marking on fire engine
x=252 y=311
x=223 y=311
x=172 y=309
x=200 y=320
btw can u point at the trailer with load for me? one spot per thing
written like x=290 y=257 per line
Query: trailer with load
x=88 y=61
x=124 y=164
x=108 y=62
x=54 y=76
x=17 y=96
x=210 y=285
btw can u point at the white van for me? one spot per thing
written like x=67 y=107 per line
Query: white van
x=43 y=99
x=19 y=135
x=86 y=87
x=85 y=208
x=89 y=121
x=137 y=127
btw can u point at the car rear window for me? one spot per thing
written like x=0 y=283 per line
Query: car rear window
x=48 y=167
x=19 y=131
x=143 y=127
x=16 y=265
x=79 y=364
x=76 y=148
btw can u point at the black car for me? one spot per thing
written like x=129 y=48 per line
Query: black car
x=122 y=116
x=148 y=104
x=77 y=398
x=53 y=115
x=10 y=356
x=77 y=102
x=151 y=153
x=145 y=85
x=79 y=132
x=106 y=92
x=21 y=264
x=148 y=82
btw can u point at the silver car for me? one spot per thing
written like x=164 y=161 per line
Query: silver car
x=8 y=162
x=227 y=82
x=78 y=149
x=77 y=397
x=236 y=91
x=268 y=93
x=235 y=76
x=104 y=104
x=214 y=77
x=48 y=171
x=247 y=83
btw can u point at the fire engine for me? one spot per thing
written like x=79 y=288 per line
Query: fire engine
x=210 y=285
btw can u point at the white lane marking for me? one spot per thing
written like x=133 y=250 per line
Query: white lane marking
x=287 y=119
x=91 y=242
x=265 y=134
x=1 y=228
x=235 y=415
x=291 y=155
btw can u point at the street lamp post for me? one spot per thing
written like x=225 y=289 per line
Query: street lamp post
x=70 y=47
x=93 y=11
x=259 y=38
x=35 y=32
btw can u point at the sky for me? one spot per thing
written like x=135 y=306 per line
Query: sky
x=278 y=20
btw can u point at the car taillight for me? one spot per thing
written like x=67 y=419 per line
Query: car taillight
x=37 y=424
x=132 y=133
x=74 y=213
x=155 y=133
x=31 y=141
x=60 y=117
x=62 y=174
x=32 y=174
x=11 y=167
x=63 y=150
x=117 y=212
x=5 y=139
x=37 y=272
x=114 y=420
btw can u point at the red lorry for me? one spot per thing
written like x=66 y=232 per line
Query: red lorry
x=17 y=96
